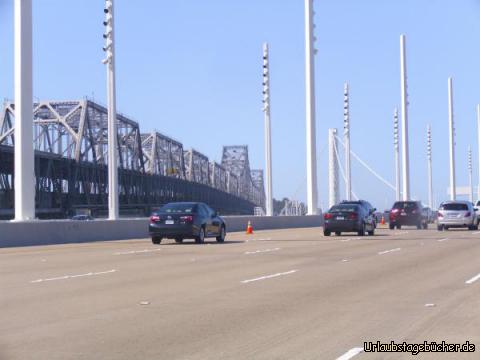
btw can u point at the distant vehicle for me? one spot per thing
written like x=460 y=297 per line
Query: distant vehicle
x=370 y=209
x=408 y=213
x=82 y=218
x=349 y=218
x=429 y=214
x=457 y=214
x=186 y=220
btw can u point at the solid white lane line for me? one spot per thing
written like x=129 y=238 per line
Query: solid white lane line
x=269 y=276
x=136 y=252
x=351 y=353
x=261 y=251
x=388 y=251
x=441 y=240
x=476 y=233
x=472 y=280
x=401 y=233
x=350 y=239
x=73 y=276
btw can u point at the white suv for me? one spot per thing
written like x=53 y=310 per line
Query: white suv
x=457 y=214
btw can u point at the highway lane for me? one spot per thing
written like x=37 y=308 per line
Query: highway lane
x=285 y=294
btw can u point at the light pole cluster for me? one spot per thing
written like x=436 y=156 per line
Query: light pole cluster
x=268 y=133
x=396 y=145
x=109 y=61
x=346 y=139
x=470 y=174
x=333 y=197
x=429 y=166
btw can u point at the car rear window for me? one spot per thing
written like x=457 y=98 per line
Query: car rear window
x=454 y=207
x=344 y=208
x=177 y=208
x=407 y=205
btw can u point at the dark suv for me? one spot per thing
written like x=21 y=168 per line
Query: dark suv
x=366 y=205
x=348 y=218
x=408 y=213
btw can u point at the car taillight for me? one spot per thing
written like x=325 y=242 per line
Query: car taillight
x=327 y=216
x=186 y=219
x=468 y=214
x=353 y=216
x=154 y=218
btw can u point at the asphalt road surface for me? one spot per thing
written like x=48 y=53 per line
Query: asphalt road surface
x=284 y=294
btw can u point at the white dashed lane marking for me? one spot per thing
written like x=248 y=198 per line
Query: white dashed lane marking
x=261 y=251
x=269 y=276
x=441 y=240
x=351 y=353
x=65 y=277
x=473 y=279
x=137 y=252
x=389 y=251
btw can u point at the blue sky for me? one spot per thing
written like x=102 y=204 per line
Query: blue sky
x=192 y=70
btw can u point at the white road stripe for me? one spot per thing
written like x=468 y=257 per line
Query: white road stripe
x=351 y=353
x=350 y=239
x=401 y=233
x=441 y=240
x=389 y=251
x=472 y=280
x=476 y=233
x=261 y=251
x=136 y=252
x=269 y=276
x=73 y=276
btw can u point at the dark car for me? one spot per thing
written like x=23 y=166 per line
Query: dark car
x=82 y=218
x=365 y=204
x=408 y=213
x=186 y=220
x=348 y=218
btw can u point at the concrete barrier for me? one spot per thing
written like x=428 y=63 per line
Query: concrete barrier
x=51 y=232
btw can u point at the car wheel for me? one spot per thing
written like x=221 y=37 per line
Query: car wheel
x=156 y=240
x=179 y=240
x=425 y=226
x=440 y=227
x=372 y=232
x=200 y=239
x=326 y=233
x=362 y=231
x=338 y=233
x=399 y=227
x=419 y=226
x=221 y=237
x=391 y=226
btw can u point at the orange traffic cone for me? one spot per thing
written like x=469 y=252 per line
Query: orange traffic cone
x=249 y=229
x=383 y=220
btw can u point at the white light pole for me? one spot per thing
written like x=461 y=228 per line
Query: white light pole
x=333 y=197
x=109 y=61
x=24 y=168
x=397 y=155
x=478 y=131
x=453 y=190
x=268 y=131
x=429 y=165
x=312 y=187
x=470 y=174
x=405 y=150
x=346 y=139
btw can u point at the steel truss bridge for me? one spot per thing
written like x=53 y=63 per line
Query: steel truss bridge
x=70 y=141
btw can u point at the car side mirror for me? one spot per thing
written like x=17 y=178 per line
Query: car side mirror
x=475 y=209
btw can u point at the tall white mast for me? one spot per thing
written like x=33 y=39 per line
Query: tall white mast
x=333 y=192
x=113 y=200
x=24 y=169
x=429 y=161
x=312 y=187
x=268 y=133
x=453 y=190
x=478 y=131
x=346 y=139
x=405 y=149
x=470 y=174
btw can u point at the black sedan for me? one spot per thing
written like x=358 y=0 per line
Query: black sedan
x=186 y=220
x=349 y=218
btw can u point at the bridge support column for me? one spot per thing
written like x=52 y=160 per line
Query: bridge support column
x=453 y=190
x=405 y=149
x=24 y=153
x=333 y=189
